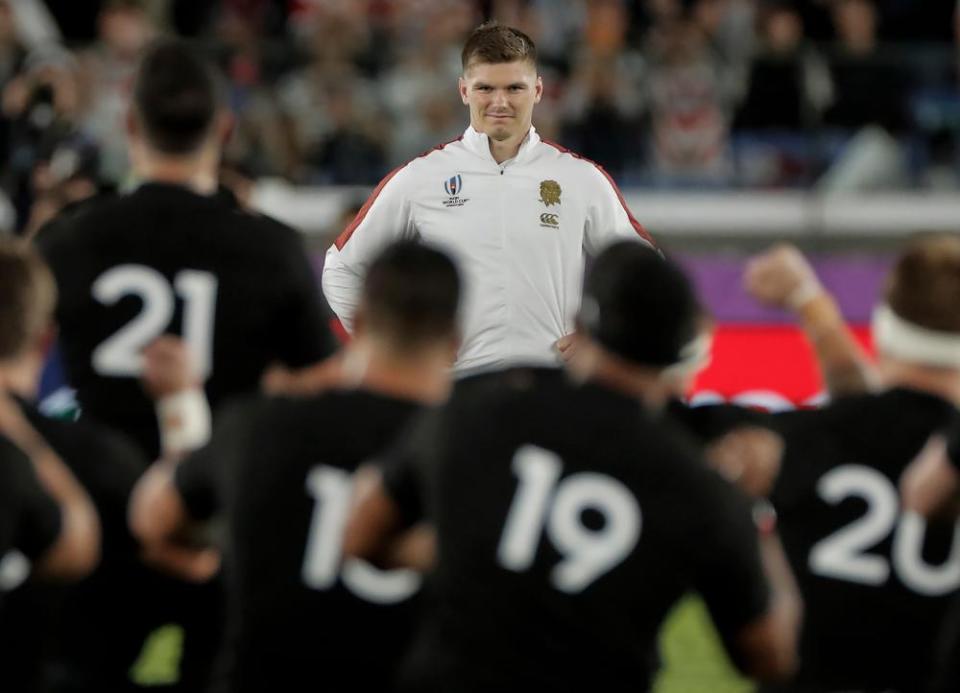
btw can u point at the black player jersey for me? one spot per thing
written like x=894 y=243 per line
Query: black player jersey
x=236 y=286
x=709 y=422
x=569 y=521
x=29 y=518
x=875 y=581
x=87 y=633
x=953 y=442
x=280 y=472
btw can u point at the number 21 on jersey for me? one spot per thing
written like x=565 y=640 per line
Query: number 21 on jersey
x=323 y=564
x=119 y=354
x=543 y=502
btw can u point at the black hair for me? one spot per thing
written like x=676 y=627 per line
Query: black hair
x=411 y=294
x=639 y=305
x=176 y=97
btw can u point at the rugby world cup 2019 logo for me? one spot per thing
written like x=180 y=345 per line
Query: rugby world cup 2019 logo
x=453 y=186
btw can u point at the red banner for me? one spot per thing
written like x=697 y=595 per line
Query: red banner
x=771 y=366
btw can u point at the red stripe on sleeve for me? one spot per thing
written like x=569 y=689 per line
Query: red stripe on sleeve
x=339 y=331
x=637 y=226
x=347 y=232
x=357 y=220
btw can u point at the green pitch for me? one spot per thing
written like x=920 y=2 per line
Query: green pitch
x=693 y=657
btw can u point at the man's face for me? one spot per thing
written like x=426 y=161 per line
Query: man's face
x=501 y=97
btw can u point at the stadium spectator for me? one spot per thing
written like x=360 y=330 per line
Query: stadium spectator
x=591 y=457
x=12 y=56
x=108 y=69
x=319 y=98
x=868 y=86
x=602 y=101
x=518 y=214
x=778 y=94
x=690 y=101
x=42 y=105
x=285 y=573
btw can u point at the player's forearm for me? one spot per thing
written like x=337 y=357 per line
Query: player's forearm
x=341 y=287
x=185 y=423
x=931 y=484
x=415 y=549
x=375 y=532
x=76 y=551
x=845 y=366
x=156 y=511
x=769 y=646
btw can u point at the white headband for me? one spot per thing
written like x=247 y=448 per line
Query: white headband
x=694 y=356
x=906 y=341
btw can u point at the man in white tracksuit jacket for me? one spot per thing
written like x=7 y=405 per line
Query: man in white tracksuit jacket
x=516 y=212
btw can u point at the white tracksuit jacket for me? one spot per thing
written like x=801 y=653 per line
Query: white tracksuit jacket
x=517 y=231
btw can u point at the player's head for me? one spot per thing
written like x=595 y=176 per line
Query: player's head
x=176 y=100
x=642 y=311
x=500 y=82
x=410 y=299
x=28 y=296
x=918 y=322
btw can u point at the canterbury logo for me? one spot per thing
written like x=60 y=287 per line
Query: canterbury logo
x=550 y=219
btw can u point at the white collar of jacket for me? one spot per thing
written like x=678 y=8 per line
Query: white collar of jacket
x=479 y=144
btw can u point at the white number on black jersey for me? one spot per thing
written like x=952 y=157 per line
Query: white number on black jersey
x=843 y=555
x=323 y=563
x=119 y=354
x=541 y=501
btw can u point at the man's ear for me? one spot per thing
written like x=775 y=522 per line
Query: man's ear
x=456 y=341
x=462 y=83
x=359 y=322
x=538 y=90
x=46 y=340
x=132 y=123
x=225 y=125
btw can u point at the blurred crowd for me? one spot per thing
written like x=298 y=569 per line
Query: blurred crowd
x=858 y=94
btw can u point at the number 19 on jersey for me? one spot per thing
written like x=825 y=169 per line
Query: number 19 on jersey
x=542 y=501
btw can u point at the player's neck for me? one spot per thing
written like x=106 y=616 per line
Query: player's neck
x=942 y=382
x=423 y=377
x=198 y=172
x=505 y=150
x=20 y=377
x=598 y=366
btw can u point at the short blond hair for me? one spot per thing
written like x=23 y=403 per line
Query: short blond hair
x=495 y=43
x=28 y=296
x=924 y=286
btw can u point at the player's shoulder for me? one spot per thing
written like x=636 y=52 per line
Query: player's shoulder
x=9 y=452
x=14 y=468
x=868 y=416
x=331 y=413
x=707 y=422
x=556 y=154
x=86 y=213
x=443 y=155
x=101 y=457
